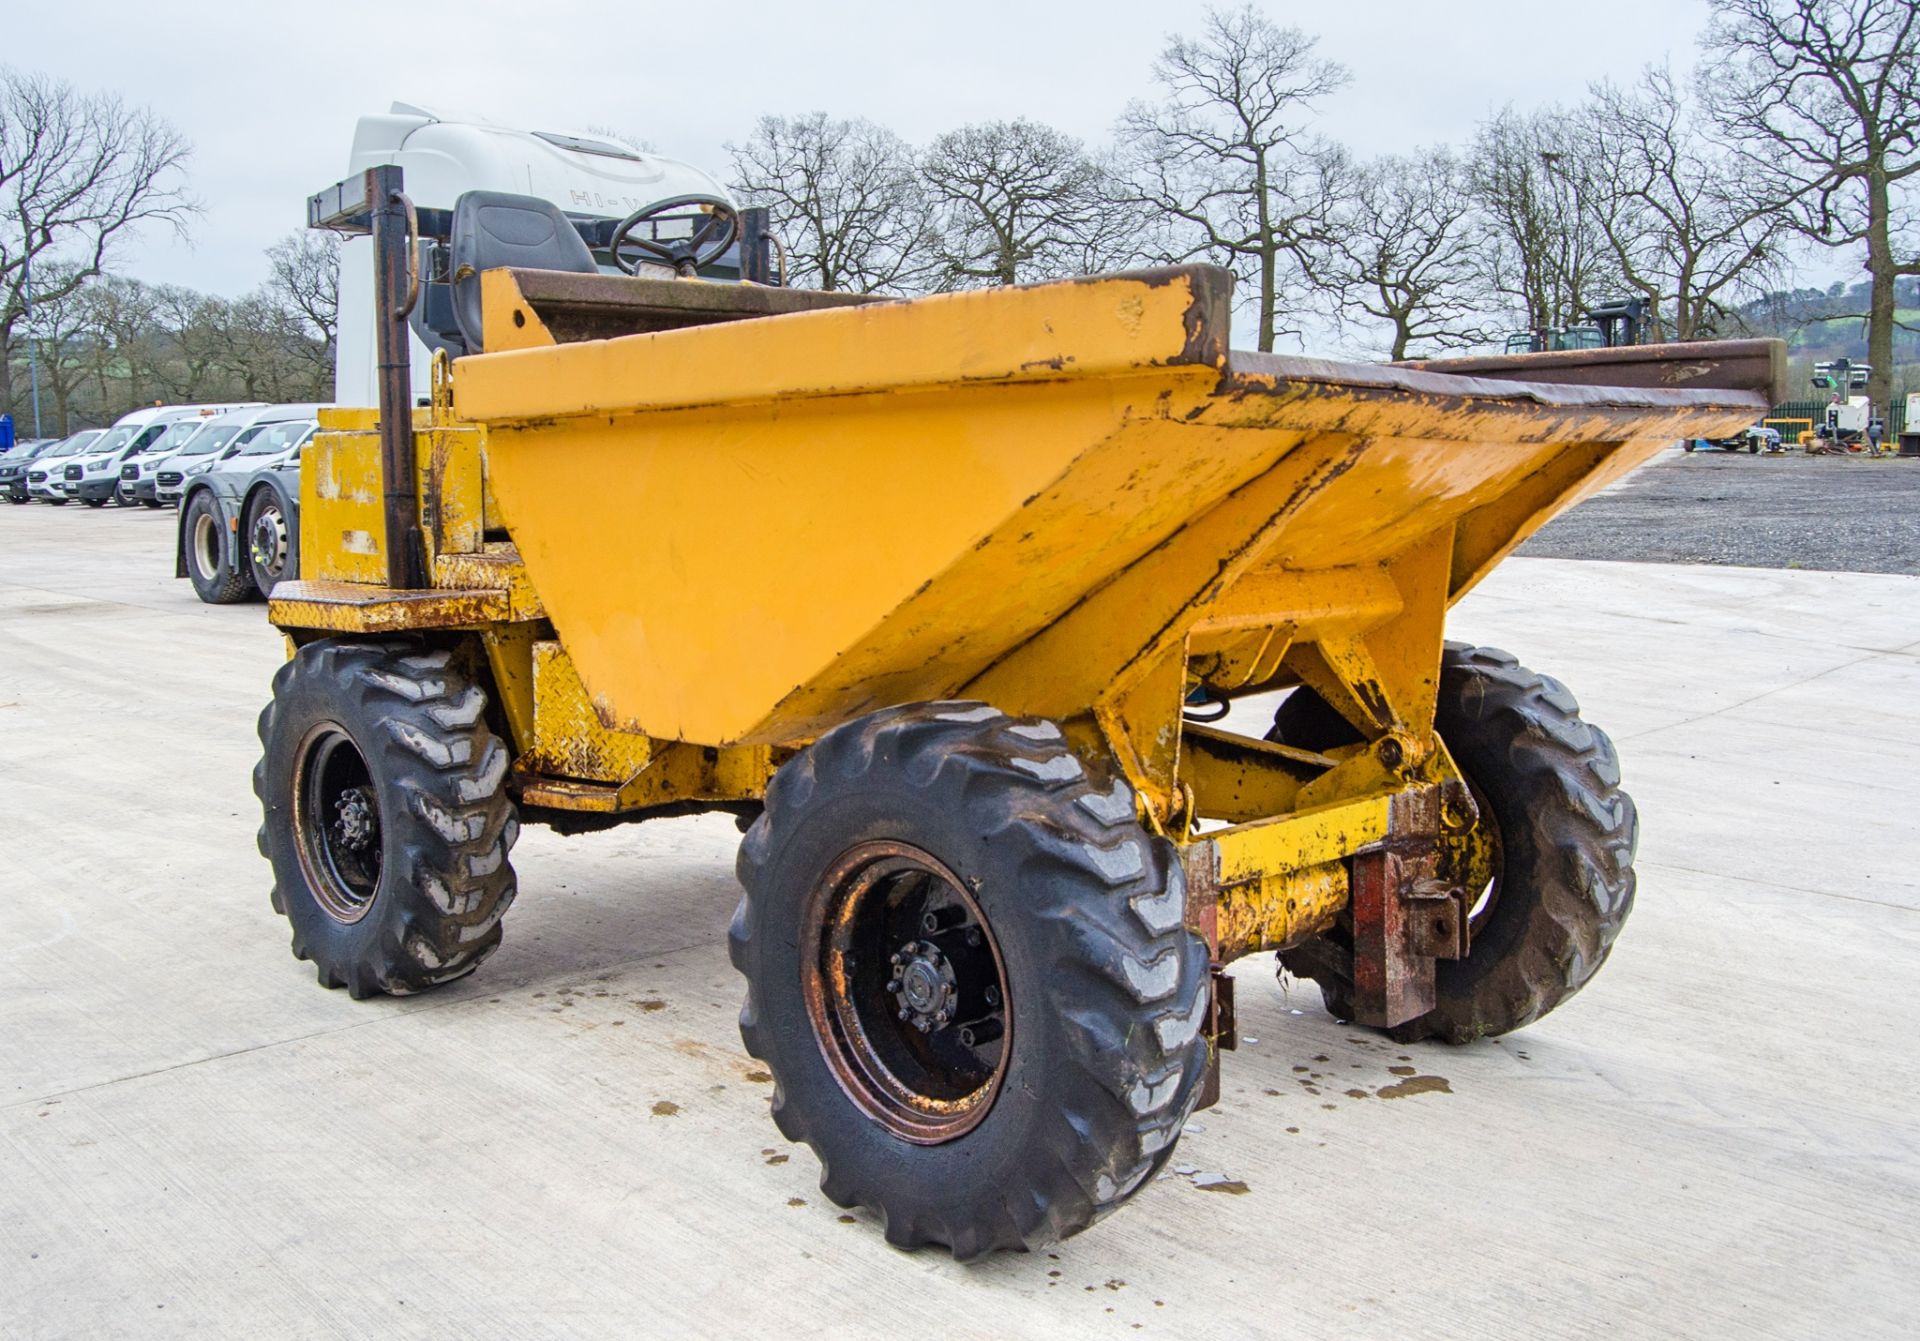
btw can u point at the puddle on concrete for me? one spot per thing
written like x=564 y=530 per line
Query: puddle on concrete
x=1416 y=1085
x=666 y=1108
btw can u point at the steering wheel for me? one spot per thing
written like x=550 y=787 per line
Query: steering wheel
x=686 y=255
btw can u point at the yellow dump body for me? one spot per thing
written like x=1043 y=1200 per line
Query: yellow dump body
x=744 y=533
x=684 y=553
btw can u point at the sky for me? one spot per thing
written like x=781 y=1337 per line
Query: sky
x=268 y=91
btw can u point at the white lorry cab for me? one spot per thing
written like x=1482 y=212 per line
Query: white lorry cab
x=444 y=154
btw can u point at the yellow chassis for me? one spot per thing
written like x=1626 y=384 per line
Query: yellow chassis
x=1108 y=515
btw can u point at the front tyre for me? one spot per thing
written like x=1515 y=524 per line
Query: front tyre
x=1548 y=786
x=968 y=970
x=386 y=820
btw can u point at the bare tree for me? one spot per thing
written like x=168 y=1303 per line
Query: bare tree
x=1825 y=95
x=78 y=174
x=303 y=279
x=59 y=334
x=1014 y=201
x=845 y=199
x=1534 y=180
x=121 y=318
x=1225 y=157
x=1684 y=225
x=1402 y=250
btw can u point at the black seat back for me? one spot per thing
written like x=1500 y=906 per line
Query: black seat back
x=492 y=229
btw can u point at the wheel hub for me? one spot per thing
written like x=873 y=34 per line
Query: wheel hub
x=356 y=821
x=923 y=984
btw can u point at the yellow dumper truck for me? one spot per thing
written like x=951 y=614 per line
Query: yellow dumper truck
x=937 y=595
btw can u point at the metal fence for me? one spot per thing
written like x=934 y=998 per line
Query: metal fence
x=1895 y=417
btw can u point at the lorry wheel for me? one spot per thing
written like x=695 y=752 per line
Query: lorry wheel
x=270 y=542
x=1548 y=785
x=386 y=821
x=969 y=972
x=216 y=579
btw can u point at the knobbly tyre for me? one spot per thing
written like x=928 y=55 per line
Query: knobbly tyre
x=925 y=590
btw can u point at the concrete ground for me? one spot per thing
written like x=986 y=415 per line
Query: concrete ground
x=1718 y=1138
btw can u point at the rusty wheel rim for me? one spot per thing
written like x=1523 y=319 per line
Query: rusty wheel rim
x=336 y=821
x=906 y=991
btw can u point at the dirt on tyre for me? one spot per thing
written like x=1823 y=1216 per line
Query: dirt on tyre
x=272 y=545
x=386 y=819
x=969 y=972
x=210 y=567
x=1548 y=786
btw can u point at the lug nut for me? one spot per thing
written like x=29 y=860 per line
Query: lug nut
x=936 y=920
x=993 y=996
x=975 y=1032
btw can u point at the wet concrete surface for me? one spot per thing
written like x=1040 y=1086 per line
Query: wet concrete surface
x=1847 y=514
x=1716 y=1138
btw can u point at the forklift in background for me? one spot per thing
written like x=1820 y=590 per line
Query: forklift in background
x=1608 y=326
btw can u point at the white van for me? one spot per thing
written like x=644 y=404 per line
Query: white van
x=217 y=439
x=94 y=478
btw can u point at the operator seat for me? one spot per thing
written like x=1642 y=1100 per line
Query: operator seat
x=491 y=229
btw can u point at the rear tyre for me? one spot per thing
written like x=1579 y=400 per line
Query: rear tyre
x=386 y=820
x=209 y=567
x=1548 y=784
x=1306 y=721
x=272 y=547
x=948 y=866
